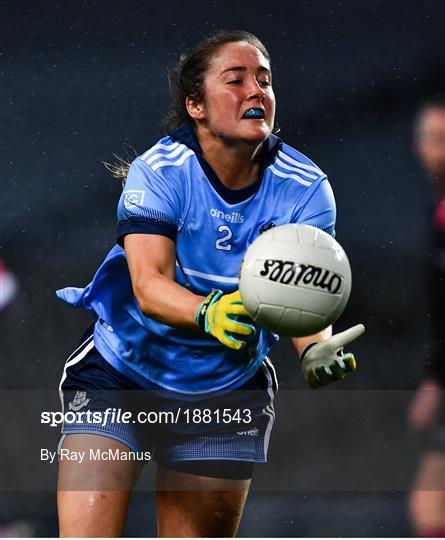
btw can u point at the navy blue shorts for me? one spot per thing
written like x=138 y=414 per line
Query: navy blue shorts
x=170 y=427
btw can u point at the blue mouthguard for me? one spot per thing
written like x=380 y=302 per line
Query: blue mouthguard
x=253 y=113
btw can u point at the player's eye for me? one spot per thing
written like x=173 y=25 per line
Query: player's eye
x=264 y=83
x=235 y=81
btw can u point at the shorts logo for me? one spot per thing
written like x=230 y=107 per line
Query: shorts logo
x=80 y=400
x=133 y=198
x=254 y=432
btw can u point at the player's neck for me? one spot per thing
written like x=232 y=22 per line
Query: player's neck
x=237 y=166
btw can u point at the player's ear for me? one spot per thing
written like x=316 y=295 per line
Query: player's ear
x=195 y=108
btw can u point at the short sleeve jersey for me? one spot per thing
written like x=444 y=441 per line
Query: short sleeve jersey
x=172 y=191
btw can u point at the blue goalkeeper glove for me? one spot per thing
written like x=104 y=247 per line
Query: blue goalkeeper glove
x=325 y=362
x=217 y=315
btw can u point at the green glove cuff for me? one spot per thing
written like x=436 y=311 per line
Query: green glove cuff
x=201 y=314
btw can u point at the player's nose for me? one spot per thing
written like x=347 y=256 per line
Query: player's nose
x=254 y=89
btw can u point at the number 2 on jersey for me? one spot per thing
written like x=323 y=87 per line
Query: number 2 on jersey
x=221 y=243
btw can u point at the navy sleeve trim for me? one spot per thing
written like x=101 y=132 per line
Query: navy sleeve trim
x=143 y=226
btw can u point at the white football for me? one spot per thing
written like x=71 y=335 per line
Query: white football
x=295 y=280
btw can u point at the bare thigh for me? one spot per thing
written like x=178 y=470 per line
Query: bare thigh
x=93 y=495
x=427 y=502
x=197 y=506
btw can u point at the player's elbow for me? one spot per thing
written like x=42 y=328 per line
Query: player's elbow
x=144 y=306
x=143 y=289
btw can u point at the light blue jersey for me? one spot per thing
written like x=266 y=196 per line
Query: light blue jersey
x=172 y=191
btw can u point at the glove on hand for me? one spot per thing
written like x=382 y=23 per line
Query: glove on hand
x=217 y=316
x=325 y=362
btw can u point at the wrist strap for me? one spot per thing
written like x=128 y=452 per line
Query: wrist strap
x=201 y=314
x=306 y=349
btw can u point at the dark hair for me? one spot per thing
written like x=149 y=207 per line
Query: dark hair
x=429 y=105
x=187 y=78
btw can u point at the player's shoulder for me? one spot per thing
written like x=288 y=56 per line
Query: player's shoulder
x=290 y=164
x=166 y=154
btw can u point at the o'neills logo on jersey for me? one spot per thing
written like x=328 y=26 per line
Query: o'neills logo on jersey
x=289 y=273
x=233 y=217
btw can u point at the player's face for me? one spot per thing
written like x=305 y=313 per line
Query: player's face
x=239 y=80
x=431 y=142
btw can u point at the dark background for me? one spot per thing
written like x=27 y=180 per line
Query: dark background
x=81 y=81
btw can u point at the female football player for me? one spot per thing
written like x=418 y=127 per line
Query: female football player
x=170 y=328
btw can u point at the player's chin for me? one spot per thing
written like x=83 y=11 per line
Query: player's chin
x=256 y=131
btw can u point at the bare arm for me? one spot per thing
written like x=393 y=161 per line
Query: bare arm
x=151 y=260
x=301 y=343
